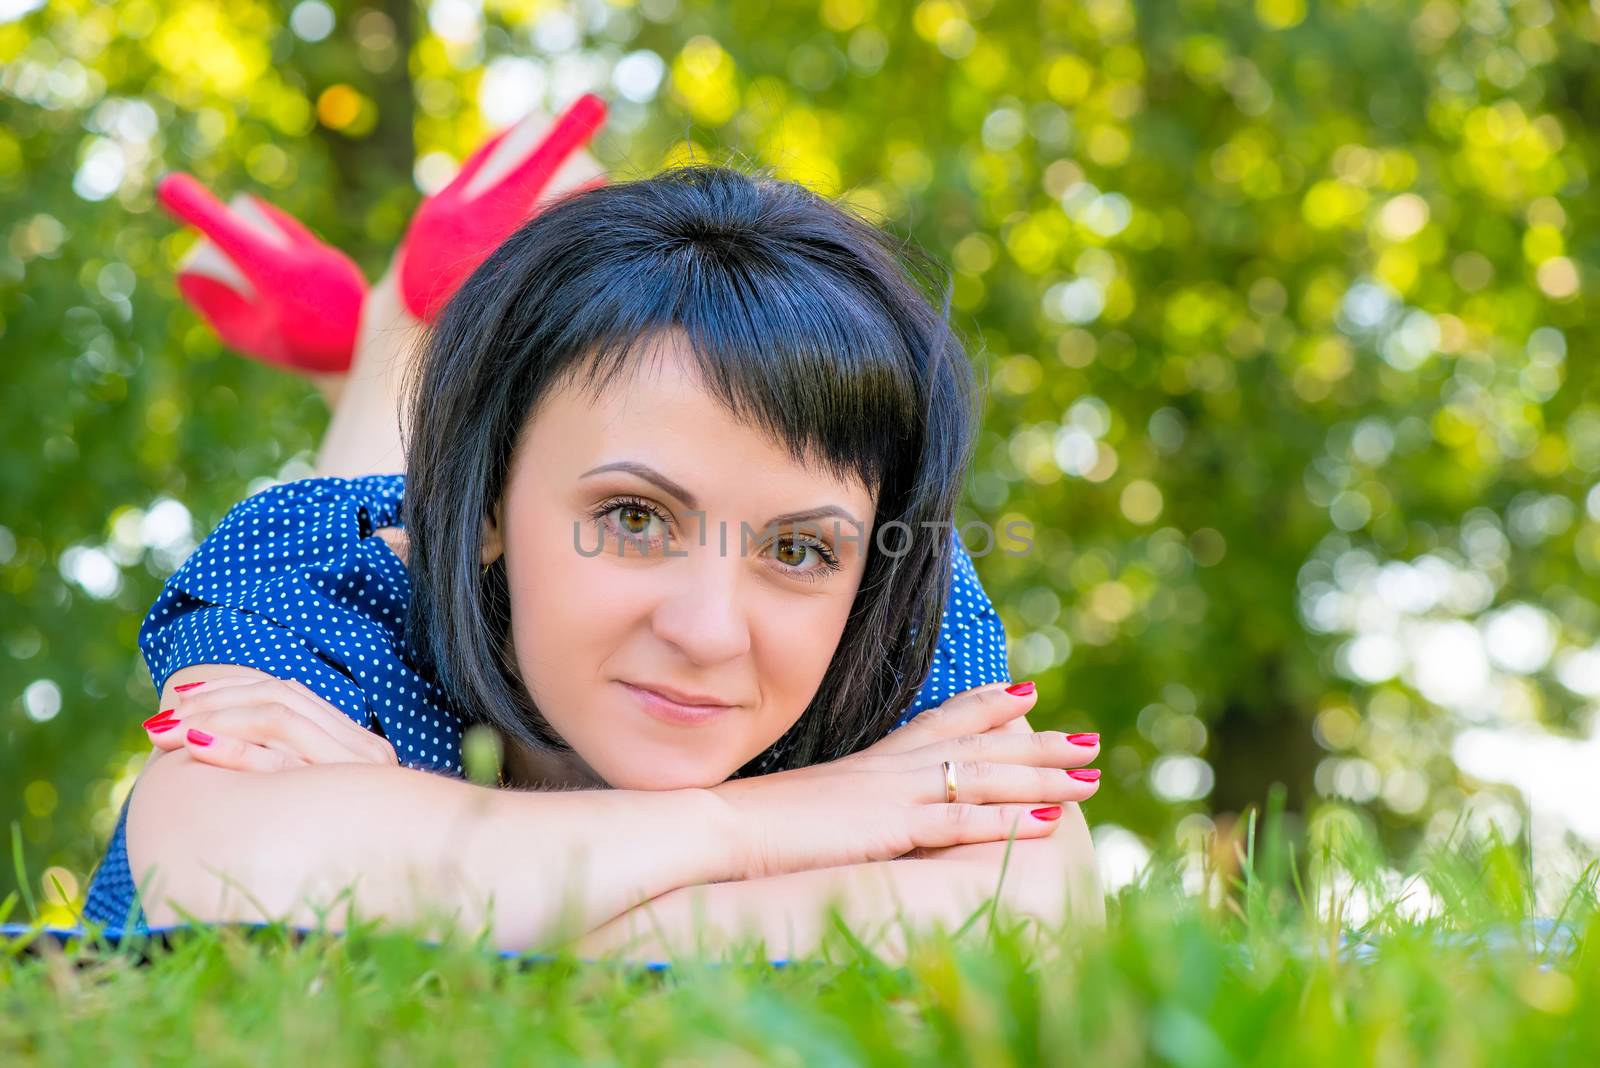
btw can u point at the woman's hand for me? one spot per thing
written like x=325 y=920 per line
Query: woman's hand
x=981 y=710
x=952 y=720
x=250 y=723
x=889 y=799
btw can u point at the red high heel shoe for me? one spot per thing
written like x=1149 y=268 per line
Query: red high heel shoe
x=455 y=229
x=264 y=282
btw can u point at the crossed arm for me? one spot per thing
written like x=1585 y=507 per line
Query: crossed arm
x=1052 y=879
x=629 y=873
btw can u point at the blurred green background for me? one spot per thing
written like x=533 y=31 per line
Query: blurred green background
x=1284 y=311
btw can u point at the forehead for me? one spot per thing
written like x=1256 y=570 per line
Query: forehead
x=657 y=409
x=661 y=378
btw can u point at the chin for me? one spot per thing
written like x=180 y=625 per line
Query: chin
x=687 y=774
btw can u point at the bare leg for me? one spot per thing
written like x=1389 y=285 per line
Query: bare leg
x=363 y=438
x=330 y=386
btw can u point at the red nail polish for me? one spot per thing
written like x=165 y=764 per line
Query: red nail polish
x=188 y=686
x=202 y=738
x=164 y=725
x=1084 y=739
x=1081 y=774
x=1049 y=812
x=1021 y=689
x=159 y=717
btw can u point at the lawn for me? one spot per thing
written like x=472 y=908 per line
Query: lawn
x=1258 y=950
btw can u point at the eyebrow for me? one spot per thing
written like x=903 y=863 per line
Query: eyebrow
x=651 y=475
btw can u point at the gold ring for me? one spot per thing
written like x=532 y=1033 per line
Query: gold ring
x=949 y=782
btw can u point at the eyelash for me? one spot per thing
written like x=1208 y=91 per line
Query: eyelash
x=830 y=560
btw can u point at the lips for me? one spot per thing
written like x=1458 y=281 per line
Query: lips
x=670 y=710
x=681 y=697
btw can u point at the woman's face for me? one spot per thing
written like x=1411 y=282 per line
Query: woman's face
x=664 y=653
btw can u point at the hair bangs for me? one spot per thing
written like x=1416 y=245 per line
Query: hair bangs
x=780 y=342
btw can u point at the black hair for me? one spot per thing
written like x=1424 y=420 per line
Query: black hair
x=803 y=319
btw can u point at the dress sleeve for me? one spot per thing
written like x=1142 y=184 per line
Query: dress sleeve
x=972 y=641
x=282 y=585
x=292 y=583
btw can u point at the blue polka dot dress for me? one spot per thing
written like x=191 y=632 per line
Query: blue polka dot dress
x=293 y=583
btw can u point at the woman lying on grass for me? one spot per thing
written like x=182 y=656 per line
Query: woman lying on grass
x=654 y=447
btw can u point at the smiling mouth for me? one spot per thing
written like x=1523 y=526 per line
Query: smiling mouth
x=673 y=709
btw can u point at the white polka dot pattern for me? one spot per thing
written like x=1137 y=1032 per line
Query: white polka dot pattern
x=292 y=583
x=972 y=642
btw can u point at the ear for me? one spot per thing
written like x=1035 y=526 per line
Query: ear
x=493 y=541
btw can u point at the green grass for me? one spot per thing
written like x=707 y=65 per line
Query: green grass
x=1260 y=962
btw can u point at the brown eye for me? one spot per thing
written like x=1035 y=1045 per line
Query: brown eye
x=635 y=520
x=791 y=555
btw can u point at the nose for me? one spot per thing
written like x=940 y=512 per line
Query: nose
x=702 y=614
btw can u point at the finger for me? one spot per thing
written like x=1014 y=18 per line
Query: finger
x=213 y=683
x=225 y=752
x=293 y=701
x=162 y=730
x=274 y=727
x=340 y=725
x=520 y=161
x=975 y=711
x=979 y=782
x=1052 y=749
x=185 y=676
x=222 y=693
x=298 y=700
x=318 y=707
x=937 y=826
x=160 y=726
x=180 y=699
x=285 y=716
x=1020 y=725
x=193 y=203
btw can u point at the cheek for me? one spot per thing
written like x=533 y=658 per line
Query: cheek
x=567 y=616
x=794 y=644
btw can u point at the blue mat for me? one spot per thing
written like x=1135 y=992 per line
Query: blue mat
x=140 y=940
x=1549 y=939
